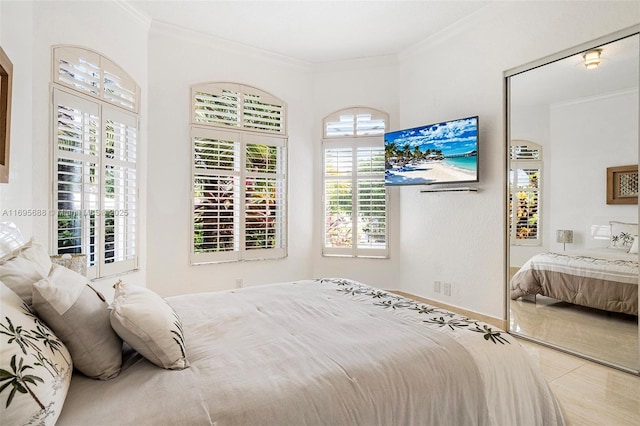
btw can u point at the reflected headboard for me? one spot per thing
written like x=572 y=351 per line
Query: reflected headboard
x=10 y=238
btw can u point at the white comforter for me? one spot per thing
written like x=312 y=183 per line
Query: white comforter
x=332 y=352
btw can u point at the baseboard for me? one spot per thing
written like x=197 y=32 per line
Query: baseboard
x=497 y=322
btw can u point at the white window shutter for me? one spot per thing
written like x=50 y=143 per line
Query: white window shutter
x=95 y=161
x=354 y=196
x=77 y=176
x=119 y=214
x=239 y=174
x=93 y=74
x=524 y=193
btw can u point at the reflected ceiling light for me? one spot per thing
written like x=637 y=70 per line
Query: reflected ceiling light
x=592 y=58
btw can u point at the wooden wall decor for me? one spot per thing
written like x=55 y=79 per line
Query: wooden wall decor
x=622 y=185
x=6 y=76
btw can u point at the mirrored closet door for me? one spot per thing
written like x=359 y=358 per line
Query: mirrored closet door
x=572 y=148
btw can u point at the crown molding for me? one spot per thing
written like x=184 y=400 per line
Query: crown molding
x=132 y=11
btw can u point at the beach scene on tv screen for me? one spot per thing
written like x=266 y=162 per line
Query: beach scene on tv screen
x=437 y=153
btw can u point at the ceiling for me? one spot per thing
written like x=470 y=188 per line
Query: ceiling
x=332 y=30
x=568 y=80
x=314 y=31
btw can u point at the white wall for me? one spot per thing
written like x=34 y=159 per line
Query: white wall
x=589 y=136
x=16 y=39
x=177 y=59
x=459 y=237
x=29 y=31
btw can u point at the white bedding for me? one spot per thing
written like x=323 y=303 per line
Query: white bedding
x=331 y=352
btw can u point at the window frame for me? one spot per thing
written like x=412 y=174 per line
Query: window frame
x=241 y=135
x=108 y=109
x=353 y=139
x=525 y=163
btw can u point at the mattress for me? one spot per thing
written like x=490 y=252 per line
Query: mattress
x=322 y=352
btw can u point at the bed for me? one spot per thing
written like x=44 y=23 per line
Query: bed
x=311 y=352
x=605 y=278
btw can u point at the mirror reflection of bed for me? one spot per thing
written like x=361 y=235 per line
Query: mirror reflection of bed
x=567 y=125
x=586 y=299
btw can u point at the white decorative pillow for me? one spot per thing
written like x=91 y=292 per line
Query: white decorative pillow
x=149 y=325
x=35 y=366
x=622 y=234
x=25 y=266
x=634 y=246
x=79 y=315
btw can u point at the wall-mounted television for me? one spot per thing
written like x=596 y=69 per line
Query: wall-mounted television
x=433 y=154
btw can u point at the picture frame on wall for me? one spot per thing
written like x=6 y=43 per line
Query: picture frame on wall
x=622 y=185
x=6 y=78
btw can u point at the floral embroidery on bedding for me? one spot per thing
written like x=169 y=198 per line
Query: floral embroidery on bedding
x=436 y=317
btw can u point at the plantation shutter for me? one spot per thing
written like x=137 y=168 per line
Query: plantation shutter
x=338 y=200
x=95 y=184
x=91 y=73
x=239 y=174
x=119 y=199
x=354 y=196
x=371 y=200
x=524 y=193
x=77 y=177
x=95 y=135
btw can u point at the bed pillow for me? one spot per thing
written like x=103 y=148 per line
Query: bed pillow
x=25 y=266
x=28 y=348
x=622 y=234
x=147 y=323
x=79 y=315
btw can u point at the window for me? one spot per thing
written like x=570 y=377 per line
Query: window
x=239 y=142
x=354 y=196
x=524 y=184
x=95 y=135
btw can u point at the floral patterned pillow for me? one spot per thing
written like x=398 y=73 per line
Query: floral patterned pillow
x=35 y=366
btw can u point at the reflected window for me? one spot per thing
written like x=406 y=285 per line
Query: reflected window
x=524 y=193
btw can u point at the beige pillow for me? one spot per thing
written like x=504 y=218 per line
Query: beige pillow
x=25 y=266
x=30 y=349
x=80 y=318
x=149 y=325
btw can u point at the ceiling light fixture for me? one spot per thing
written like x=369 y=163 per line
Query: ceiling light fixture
x=592 y=58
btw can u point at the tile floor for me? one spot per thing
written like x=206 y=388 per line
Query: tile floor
x=590 y=393
x=584 y=330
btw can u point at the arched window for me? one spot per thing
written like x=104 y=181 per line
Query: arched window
x=354 y=195
x=524 y=193
x=95 y=134
x=239 y=142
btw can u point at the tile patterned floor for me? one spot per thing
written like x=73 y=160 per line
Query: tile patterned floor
x=584 y=330
x=590 y=393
